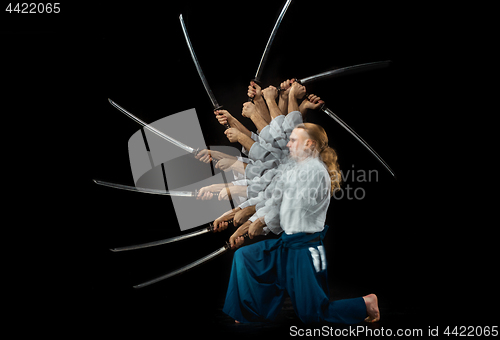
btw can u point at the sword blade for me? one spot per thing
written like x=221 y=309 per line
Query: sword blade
x=198 y=67
x=263 y=60
x=165 y=241
x=186 y=267
x=152 y=129
x=352 y=132
x=146 y=190
x=346 y=71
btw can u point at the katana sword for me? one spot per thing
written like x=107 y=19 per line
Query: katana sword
x=187 y=267
x=150 y=191
x=208 y=229
x=342 y=72
x=215 y=104
x=352 y=132
x=265 y=55
x=345 y=71
x=155 y=131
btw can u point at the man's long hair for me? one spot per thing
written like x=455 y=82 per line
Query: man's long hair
x=326 y=153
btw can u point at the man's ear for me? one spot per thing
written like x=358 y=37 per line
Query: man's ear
x=309 y=143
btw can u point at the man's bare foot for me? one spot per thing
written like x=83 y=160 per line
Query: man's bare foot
x=236 y=321
x=371 y=303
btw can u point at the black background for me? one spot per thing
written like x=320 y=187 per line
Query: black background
x=417 y=242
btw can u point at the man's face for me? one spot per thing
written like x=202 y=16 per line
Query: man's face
x=299 y=142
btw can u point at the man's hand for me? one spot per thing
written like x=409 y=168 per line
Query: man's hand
x=270 y=93
x=225 y=163
x=286 y=86
x=220 y=223
x=205 y=193
x=256 y=228
x=239 y=190
x=232 y=134
x=297 y=91
x=254 y=91
x=243 y=215
x=236 y=240
x=311 y=102
x=248 y=110
x=204 y=156
x=225 y=194
x=224 y=117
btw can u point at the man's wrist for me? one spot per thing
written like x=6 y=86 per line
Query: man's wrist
x=230 y=120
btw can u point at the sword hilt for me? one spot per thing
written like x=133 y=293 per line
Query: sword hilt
x=258 y=82
x=196 y=192
x=211 y=226
x=227 y=246
x=282 y=89
x=195 y=152
x=220 y=107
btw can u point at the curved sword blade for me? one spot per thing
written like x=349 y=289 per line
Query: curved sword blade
x=165 y=241
x=186 y=267
x=352 y=132
x=152 y=129
x=146 y=190
x=198 y=67
x=263 y=60
x=345 y=71
x=208 y=229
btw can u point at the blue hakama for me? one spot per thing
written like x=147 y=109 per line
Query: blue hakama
x=263 y=271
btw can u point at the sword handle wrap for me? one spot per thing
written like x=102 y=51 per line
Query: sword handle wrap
x=258 y=82
x=227 y=246
x=211 y=227
x=282 y=89
x=220 y=107
x=196 y=192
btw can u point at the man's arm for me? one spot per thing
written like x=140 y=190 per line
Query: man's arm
x=255 y=92
x=235 y=135
x=223 y=116
x=270 y=95
x=250 y=111
x=237 y=239
x=206 y=193
x=312 y=102
x=221 y=222
x=283 y=97
x=296 y=92
x=243 y=215
x=255 y=229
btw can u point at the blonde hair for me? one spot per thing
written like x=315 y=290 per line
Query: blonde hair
x=326 y=153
